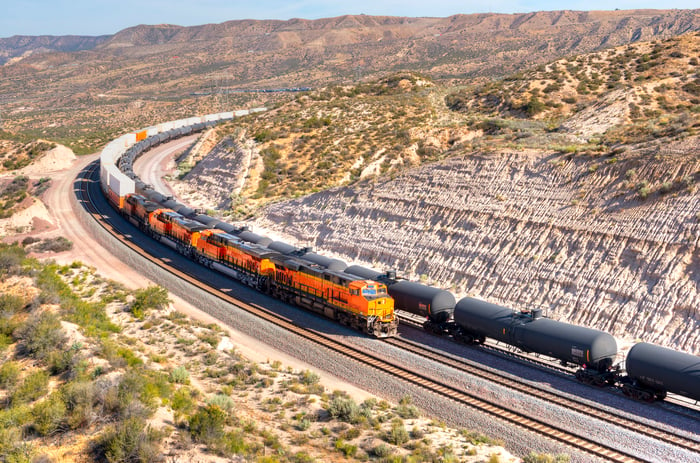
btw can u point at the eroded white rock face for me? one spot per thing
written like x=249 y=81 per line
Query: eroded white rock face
x=529 y=230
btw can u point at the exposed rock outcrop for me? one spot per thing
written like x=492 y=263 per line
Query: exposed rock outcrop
x=532 y=230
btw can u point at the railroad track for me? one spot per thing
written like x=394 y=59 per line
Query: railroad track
x=546 y=394
x=88 y=185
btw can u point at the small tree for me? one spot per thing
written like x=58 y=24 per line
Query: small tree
x=207 y=425
x=151 y=298
x=42 y=335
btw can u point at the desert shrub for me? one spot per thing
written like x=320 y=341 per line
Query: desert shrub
x=49 y=415
x=343 y=408
x=9 y=374
x=476 y=438
x=151 y=298
x=10 y=305
x=11 y=257
x=80 y=399
x=207 y=425
x=222 y=401
x=35 y=385
x=417 y=433
x=182 y=402
x=304 y=424
x=179 y=375
x=348 y=450
x=129 y=441
x=405 y=409
x=397 y=435
x=309 y=378
x=534 y=457
x=382 y=451
x=58 y=244
x=61 y=361
x=232 y=443
x=13 y=448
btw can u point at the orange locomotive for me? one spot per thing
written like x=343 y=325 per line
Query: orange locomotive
x=362 y=304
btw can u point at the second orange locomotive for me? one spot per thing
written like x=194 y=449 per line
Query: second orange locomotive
x=362 y=304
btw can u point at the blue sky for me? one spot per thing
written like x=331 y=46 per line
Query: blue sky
x=98 y=17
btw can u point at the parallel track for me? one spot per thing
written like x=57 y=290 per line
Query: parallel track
x=431 y=385
x=546 y=394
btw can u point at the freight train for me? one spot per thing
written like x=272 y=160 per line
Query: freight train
x=364 y=298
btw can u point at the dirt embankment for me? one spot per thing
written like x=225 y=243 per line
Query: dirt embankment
x=532 y=229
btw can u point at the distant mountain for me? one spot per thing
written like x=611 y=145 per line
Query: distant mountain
x=474 y=44
x=20 y=45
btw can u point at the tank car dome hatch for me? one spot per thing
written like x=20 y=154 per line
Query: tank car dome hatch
x=226 y=227
x=155 y=197
x=281 y=247
x=363 y=272
x=205 y=219
x=662 y=369
x=335 y=265
x=251 y=237
x=186 y=212
x=434 y=303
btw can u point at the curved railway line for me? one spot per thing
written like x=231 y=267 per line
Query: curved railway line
x=88 y=184
x=546 y=394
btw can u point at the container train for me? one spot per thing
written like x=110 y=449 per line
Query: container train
x=366 y=298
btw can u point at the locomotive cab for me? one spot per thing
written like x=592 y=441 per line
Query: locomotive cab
x=371 y=298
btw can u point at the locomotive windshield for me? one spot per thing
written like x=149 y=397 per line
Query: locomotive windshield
x=374 y=290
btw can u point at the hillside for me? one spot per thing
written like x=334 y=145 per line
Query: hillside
x=94 y=372
x=149 y=74
x=587 y=209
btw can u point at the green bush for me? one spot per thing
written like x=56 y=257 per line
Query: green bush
x=182 y=402
x=13 y=448
x=222 y=401
x=382 y=451
x=80 y=398
x=11 y=257
x=309 y=378
x=348 y=450
x=9 y=374
x=129 y=441
x=405 y=409
x=232 y=443
x=207 y=425
x=10 y=305
x=151 y=298
x=34 y=386
x=49 y=415
x=41 y=335
x=179 y=375
x=397 y=435
x=534 y=457
x=343 y=408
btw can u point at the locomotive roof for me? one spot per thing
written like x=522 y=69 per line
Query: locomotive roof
x=189 y=225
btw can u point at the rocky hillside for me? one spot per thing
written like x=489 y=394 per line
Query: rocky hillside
x=22 y=46
x=588 y=210
x=531 y=229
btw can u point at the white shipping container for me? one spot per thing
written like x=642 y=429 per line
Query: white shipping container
x=120 y=184
x=151 y=131
x=241 y=112
x=258 y=110
x=226 y=116
x=165 y=126
x=129 y=139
